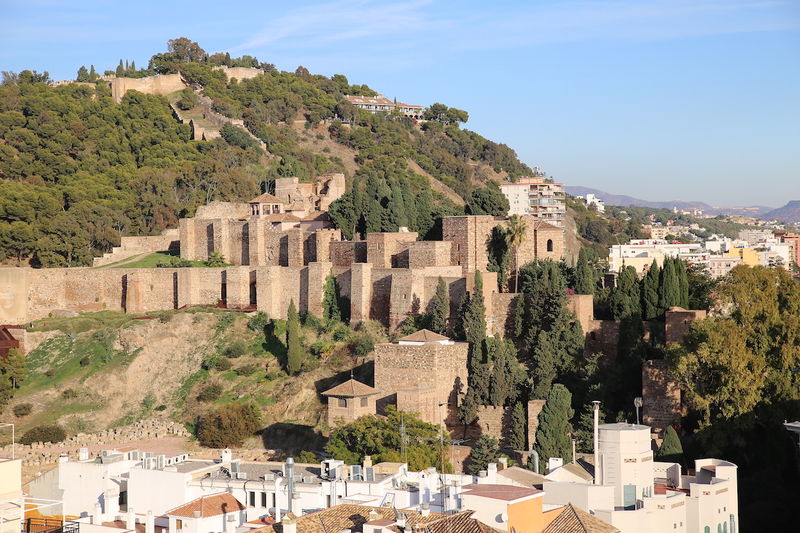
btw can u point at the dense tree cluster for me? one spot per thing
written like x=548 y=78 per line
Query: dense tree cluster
x=397 y=437
x=228 y=425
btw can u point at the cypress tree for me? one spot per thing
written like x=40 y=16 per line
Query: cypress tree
x=503 y=375
x=468 y=410
x=553 y=437
x=396 y=207
x=650 y=293
x=625 y=300
x=440 y=308
x=545 y=365
x=424 y=213
x=519 y=315
x=683 y=282
x=133 y=66
x=294 y=347
x=518 y=424
x=410 y=204
x=484 y=452
x=120 y=72
x=330 y=300
x=92 y=73
x=669 y=287
x=584 y=274
x=473 y=330
x=671 y=450
x=373 y=210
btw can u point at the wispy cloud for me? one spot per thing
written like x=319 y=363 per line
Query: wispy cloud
x=487 y=26
x=322 y=24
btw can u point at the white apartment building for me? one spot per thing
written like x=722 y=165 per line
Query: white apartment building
x=378 y=104
x=636 y=494
x=592 y=199
x=536 y=197
x=640 y=253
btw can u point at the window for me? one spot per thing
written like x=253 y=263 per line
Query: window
x=252 y=499
x=706 y=529
x=263 y=499
x=364 y=402
x=342 y=402
x=549 y=245
x=179 y=524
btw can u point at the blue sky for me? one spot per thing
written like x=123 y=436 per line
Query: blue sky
x=682 y=99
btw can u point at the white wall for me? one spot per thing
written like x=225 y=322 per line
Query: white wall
x=586 y=496
x=157 y=490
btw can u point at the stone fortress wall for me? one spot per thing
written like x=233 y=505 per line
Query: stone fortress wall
x=164 y=84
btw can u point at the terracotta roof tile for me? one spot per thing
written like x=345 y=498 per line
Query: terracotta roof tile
x=424 y=335
x=499 y=492
x=266 y=198
x=574 y=520
x=208 y=506
x=349 y=516
x=351 y=388
x=523 y=476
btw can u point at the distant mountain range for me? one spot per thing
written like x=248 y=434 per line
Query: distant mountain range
x=788 y=213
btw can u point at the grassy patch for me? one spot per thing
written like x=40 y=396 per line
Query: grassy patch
x=180 y=395
x=153 y=260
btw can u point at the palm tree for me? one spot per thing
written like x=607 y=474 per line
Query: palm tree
x=516 y=234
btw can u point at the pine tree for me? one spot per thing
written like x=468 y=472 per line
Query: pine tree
x=584 y=274
x=553 y=437
x=294 y=347
x=671 y=450
x=650 y=293
x=440 y=308
x=330 y=300
x=485 y=451
x=518 y=425
x=83 y=74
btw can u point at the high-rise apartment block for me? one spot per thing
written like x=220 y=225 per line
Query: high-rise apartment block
x=538 y=197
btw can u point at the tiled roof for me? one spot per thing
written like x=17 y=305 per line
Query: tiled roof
x=424 y=335
x=266 y=198
x=580 y=470
x=523 y=476
x=574 y=520
x=353 y=517
x=208 y=506
x=351 y=388
x=499 y=492
x=282 y=217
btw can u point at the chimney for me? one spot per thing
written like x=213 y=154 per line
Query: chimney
x=150 y=523
x=295 y=507
x=598 y=477
x=503 y=463
x=196 y=514
x=227 y=455
x=130 y=522
x=425 y=509
x=373 y=515
x=230 y=523
x=367 y=461
x=97 y=517
x=491 y=473
x=278 y=481
x=111 y=503
x=289 y=526
x=83 y=454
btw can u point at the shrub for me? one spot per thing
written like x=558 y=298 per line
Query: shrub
x=84 y=361
x=188 y=99
x=161 y=407
x=22 y=409
x=246 y=370
x=258 y=322
x=237 y=349
x=228 y=425
x=50 y=373
x=222 y=364
x=363 y=345
x=54 y=433
x=321 y=348
x=306 y=456
x=69 y=394
x=209 y=393
x=341 y=333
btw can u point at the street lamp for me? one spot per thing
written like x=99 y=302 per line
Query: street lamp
x=637 y=402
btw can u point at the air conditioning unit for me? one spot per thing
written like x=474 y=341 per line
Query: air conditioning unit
x=241 y=475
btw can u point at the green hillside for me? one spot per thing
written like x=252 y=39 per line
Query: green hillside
x=77 y=170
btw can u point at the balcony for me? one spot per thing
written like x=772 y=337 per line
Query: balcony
x=49 y=525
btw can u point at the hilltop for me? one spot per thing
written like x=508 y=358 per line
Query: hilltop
x=82 y=164
x=788 y=213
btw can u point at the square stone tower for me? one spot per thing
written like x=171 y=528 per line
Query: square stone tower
x=423 y=372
